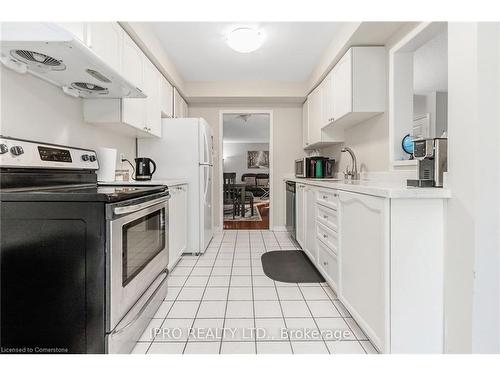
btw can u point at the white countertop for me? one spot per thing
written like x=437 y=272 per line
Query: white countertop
x=385 y=189
x=168 y=182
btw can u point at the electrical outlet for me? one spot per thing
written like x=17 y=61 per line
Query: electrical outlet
x=122 y=157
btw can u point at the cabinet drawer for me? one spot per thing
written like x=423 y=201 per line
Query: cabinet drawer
x=328 y=264
x=328 y=197
x=327 y=217
x=328 y=236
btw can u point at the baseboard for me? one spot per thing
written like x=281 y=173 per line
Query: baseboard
x=279 y=228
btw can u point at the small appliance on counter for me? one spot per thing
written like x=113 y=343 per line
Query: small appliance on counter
x=314 y=167
x=107 y=164
x=143 y=171
x=432 y=158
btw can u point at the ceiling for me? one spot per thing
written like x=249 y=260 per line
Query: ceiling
x=290 y=51
x=254 y=130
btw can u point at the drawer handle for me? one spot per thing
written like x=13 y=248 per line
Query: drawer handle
x=325 y=197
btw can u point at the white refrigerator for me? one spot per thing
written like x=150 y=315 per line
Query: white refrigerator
x=186 y=151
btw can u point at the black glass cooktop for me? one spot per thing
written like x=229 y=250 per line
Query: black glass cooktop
x=81 y=193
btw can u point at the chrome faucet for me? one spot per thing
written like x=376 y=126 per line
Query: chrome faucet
x=353 y=173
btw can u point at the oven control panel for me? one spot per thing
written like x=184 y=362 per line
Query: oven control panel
x=18 y=153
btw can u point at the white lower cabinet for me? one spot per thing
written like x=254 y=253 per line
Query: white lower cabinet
x=328 y=264
x=300 y=214
x=364 y=262
x=177 y=226
x=384 y=259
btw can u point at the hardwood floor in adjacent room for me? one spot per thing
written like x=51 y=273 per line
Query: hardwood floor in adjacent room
x=264 y=224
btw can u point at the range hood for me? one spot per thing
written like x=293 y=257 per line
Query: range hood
x=53 y=54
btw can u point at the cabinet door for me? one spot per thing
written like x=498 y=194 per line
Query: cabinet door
x=133 y=110
x=327 y=100
x=183 y=218
x=342 y=86
x=173 y=227
x=305 y=124
x=166 y=98
x=300 y=215
x=178 y=108
x=152 y=90
x=364 y=262
x=132 y=60
x=310 y=223
x=314 y=116
x=106 y=40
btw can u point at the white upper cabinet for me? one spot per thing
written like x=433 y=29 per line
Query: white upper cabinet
x=305 y=124
x=152 y=90
x=327 y=111
x=132 y=60
x=359 y=85
x=315 y=136
x=180 y=105
x=166 y=98
x=106 y=40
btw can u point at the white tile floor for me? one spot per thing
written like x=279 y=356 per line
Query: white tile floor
x=223 y=303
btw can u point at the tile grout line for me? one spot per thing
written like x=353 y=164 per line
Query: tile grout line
x=278 y=296
x=227 y=294
x=173 y=302
x=204 y=290
x=253 y=295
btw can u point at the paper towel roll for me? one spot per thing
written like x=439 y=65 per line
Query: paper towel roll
x=107 y=164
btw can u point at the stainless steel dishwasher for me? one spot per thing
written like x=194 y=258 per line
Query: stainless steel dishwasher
x=290 y=208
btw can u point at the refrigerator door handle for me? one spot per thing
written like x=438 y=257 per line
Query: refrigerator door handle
x=206 y=164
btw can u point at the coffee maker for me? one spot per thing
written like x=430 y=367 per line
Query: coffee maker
x=432 y=158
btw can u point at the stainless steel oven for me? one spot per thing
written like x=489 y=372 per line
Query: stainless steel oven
x=137 y=260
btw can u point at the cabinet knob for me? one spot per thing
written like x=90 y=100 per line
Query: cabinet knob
x=325 y=236
x=335 y=195
x=325 y=217
x=325 y=197
x=325 y=263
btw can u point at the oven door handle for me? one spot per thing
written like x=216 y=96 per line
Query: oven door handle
x=117 y=331
x=137 y=207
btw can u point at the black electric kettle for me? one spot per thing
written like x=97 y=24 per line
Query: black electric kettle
x=143 y=171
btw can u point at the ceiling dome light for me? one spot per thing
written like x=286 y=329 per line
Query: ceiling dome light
x=245 y=39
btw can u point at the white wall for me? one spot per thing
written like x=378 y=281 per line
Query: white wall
x=472 y=284
x=235 y=157
x=36 y=110
x=287 y=146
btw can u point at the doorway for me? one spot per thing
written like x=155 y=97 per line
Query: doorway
x=246 y=165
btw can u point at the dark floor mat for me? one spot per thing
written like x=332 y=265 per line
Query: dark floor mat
x=290 y=266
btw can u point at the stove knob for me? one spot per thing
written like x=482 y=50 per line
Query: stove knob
x=16 y=150
x=85 y=157
x=3 y=148
x=92 y=158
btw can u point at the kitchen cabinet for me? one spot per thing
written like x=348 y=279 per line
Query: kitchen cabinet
x=305 y=124
x=372 y=252
x=316 y=136
x=310 y=223
x=166 y=98
x=358 y=89
x=364 y=264
x=300 y=221
x=106 y=40
x=327 y=111
x=142 y=115
x=180 y=105
x=177 y=226
x=153 y=108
